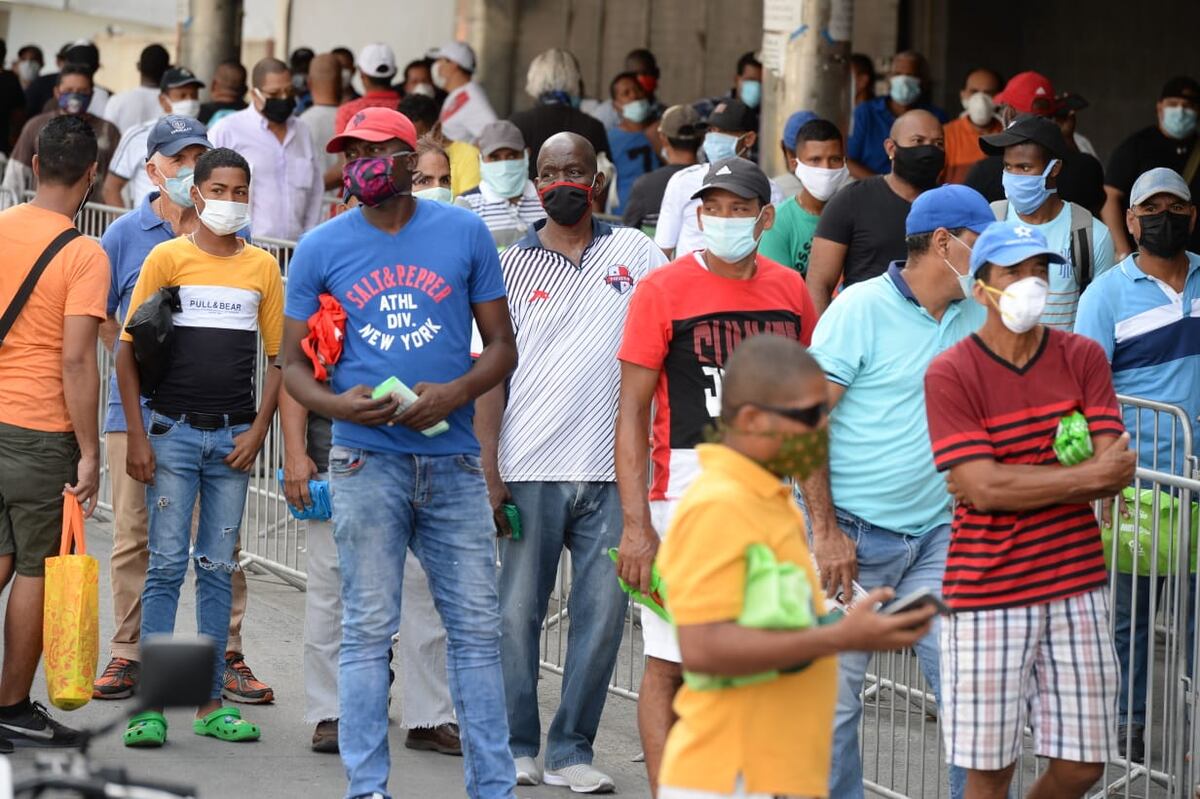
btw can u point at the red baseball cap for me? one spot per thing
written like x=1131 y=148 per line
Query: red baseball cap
x=1029 y=93
x=375 y=124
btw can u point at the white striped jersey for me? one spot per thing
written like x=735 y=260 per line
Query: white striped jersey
x=562 y=398
x=508 y=221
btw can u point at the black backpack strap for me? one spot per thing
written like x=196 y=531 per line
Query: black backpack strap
x=27 y=286
x=1081 y=245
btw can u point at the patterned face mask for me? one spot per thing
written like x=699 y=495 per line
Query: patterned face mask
x=799 y=454
x=370 y=180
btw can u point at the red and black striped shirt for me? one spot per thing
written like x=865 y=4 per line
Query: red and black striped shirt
x=981 y=406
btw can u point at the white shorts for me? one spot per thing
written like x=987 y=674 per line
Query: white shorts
x=658 y=637
x=1051 y=666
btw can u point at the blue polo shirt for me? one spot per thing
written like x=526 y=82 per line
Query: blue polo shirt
x=877 y=340
x=870 y=125
x=1151 y=335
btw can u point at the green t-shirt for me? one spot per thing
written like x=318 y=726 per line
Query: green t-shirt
x=789 y=241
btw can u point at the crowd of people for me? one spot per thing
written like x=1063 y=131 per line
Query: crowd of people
x=762 y=406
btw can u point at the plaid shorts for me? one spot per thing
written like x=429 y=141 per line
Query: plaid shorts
x=1050 y=666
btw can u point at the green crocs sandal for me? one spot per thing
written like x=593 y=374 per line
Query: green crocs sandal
x=147 y=730
x=227 y=724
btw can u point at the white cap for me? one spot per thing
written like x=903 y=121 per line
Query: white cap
x=458 y=52
x=377 y=60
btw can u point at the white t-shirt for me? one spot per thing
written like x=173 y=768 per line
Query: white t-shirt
x=465 y=113
x=129 y=161
x=131 y=108
x=678 y=228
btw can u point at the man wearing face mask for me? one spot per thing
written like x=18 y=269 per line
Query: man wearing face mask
x=862 y=228
x=29 y=64
x=787 y=182
x=416 y=277
x=731 y=133
x=978 y=118
x=684 y=321
x=747 y=89
x=1032 y=148
x=1030 y=633
x=179 y=96
x=1171 y=142
x=879 y=516
x=288 y=181
x=376 y=68
x=137 y=106
x=632 y=140
x=908 y=87
x=1132 y=311
x=466 y=108
x=681 y=132
x=505 y=199
x=820 y=165
x=74 y=97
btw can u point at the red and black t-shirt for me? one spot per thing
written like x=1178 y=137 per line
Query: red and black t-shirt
x=684 y=322
x=981 y=406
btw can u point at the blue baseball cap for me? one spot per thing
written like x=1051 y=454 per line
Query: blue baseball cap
x=791 y=128
x=951 y=207
x=1010 y=243
x=173 y=132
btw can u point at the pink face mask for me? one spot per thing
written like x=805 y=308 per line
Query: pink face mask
x=370 y=180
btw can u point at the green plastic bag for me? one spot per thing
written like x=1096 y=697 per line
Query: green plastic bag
x=1073 y=440
x=651 y=600
x=1140 y=526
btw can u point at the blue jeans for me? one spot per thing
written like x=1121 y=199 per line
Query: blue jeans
x=586 y=519
x=907 y=564
x=383 y=505
x=1137 y=626
x=188 y=462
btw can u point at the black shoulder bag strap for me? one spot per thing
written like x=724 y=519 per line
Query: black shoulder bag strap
x=26 y=289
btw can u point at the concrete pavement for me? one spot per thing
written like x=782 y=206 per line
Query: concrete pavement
x=281 y=765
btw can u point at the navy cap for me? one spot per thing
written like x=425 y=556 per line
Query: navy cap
x=732 y=114
x=739 y=176
x=175 y=77
x=173 y=132
x=1010 y=243
x=791 y=128
x=951 y=206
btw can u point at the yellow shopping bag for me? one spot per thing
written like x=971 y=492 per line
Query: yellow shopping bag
x=71 y=620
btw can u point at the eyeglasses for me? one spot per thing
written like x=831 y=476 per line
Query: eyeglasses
x=810 y=416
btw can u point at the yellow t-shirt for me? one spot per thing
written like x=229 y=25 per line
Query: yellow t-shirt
x=464 y=166
x=778 y=734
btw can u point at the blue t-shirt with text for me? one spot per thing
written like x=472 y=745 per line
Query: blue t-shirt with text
x=408 y=304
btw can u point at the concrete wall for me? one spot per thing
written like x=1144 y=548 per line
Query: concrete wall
x=408 y=26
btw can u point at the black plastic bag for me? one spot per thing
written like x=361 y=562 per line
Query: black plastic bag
x=152 y=327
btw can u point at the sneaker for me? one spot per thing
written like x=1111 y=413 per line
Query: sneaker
x=35 y=728
x=580 y=778
x=442 y=738
x=527 y=770
x=118 y=680
x=325 y=737
x=1137 y=743
x=241 y=685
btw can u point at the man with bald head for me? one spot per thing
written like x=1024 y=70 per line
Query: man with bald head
x=325 y=86
x=227 y=91
x=548 y=452
x=908 y=89
x=862 y=228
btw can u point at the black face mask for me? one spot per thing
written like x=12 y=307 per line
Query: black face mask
x=278 y=109
x=566 y=202
x=919 y=165
x=1164 y=234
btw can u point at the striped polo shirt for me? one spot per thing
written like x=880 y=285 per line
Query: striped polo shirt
x=980 y=406
x=508 y=221
x=562 y=398
x=1151 y=335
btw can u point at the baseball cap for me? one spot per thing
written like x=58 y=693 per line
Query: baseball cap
x=732 y=114
x=1181 y=86
x=377 y=60
x=1029 y=93
x=458 y=52
x=375 y=124
x=739 y=176
x=1159 y=180
x=951 y=206
x=498 y=135
x=174 y=132
x=1010 y=243
x=682 y=122
x=175 y=77
x=1026 y=128
x=791 y=128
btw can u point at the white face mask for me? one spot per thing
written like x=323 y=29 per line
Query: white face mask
x=822 y=183
x=980 y=108
x=224 y=217
x=28 y=71
x=965 y=282
x=186 y=108
x=438 y=193
x=439 y=76
x=1022 y=303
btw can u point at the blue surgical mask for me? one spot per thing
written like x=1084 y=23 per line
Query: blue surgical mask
x=74 y=102
x=751 y=93
x=904 y=89
x=1178 y=121
x=179 y=188
x=439 y=194
x=1027 y=193
x=719 y=146
x=729 y=238
x=636 y=111
x=505 y=178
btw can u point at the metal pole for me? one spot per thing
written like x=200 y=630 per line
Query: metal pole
x=212 y=33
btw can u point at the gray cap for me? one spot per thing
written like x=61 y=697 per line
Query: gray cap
x=739 y=176
x=498 y=135
x=1159 y=180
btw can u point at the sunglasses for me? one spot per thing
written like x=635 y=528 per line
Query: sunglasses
x=810 y=416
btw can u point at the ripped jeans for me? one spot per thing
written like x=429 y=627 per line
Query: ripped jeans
x=188 y=462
